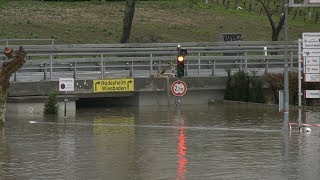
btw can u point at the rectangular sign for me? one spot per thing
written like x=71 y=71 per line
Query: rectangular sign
x=311 y=78
x=113 y=85
x=312 y=93
x=66 y=84
x=312 y=61
x=312 y=69
x=314 y=1
x=311 y=40
x=311 y=52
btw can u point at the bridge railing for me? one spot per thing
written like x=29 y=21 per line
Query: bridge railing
x=90 y=61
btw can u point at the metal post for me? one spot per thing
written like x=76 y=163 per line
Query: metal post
x=45 y=71
x=151 y=67
x=286 y=78
x=245 y=62
x=291 y=61
x=75 y=70
x=131 y=70
x=266 y=60
x=199 y=55
x=299 y=72
x=101 y=66
x=51 y=68
x=213 y=73
x=159 y=66
x=65 y=104
x=15 y=76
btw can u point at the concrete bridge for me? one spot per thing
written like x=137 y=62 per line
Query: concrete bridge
x=150 y=66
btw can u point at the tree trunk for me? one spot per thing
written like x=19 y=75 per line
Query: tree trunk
x=127 y=21
x=14 y=62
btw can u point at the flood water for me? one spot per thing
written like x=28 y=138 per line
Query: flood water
x=199 y=142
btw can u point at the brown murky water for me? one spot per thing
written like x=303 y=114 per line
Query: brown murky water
x=199 y=142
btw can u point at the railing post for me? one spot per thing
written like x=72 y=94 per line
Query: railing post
x=291 y=59
x=266 y=66
x=151 y=61
x=186 y=68
x=45 y=71
x=15 y=76
x=75 y=70
x=101 y=66
x=245 y=61
x=199 y=56
x=131 y=70
x=213 y=73
x=51 y=68
x=159 y=66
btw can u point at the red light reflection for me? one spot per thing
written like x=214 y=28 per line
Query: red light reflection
x=182 y=150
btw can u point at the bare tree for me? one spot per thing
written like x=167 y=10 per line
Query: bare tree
x=127 y=20
x=15 y=61
x=270 y=13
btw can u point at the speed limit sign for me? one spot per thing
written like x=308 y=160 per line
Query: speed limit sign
x=178 y=88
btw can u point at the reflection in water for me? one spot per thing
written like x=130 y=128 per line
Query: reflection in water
x=182 y=149
x=202 y=142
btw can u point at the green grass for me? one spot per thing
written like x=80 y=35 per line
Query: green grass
x=154 y=21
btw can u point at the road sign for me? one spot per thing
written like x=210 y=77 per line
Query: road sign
x=311 y=78
x=312 y=69
x=312 y=93
x=179 y=88
x=311 y=40
x=66 y=84
x=311 y=52
x=312 y=61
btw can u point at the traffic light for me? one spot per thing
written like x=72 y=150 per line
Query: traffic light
x=180 y=62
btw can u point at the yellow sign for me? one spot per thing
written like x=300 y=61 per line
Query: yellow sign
x=113 y=85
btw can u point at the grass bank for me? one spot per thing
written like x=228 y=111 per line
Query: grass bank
x=154 y=21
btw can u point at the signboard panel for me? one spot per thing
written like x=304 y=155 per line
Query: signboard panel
x=312 y=61
x=311 y=40
x=113 y=85
x=311 y=52
x=311 y=78
x=312 y=93
x=314 y=1
x=312 y=69
x=66 y=84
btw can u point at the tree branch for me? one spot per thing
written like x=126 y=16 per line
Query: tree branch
x=15 y=62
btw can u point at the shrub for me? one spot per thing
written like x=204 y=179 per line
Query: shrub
x=51 y=104
x=243 y=87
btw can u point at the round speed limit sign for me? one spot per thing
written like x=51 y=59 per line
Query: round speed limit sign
x=178 y=88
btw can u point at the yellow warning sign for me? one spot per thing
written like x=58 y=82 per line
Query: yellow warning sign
x=113 y=85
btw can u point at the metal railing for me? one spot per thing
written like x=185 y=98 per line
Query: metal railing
x=91 y=61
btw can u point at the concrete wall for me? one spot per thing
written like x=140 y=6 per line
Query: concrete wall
x=148 y=91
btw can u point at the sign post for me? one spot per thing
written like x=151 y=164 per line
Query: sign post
x=65 y=85
x=178 y=88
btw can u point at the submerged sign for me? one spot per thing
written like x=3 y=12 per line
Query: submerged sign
x=113 y=85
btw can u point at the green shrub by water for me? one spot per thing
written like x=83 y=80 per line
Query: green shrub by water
x=51 y=104
x=244 y=87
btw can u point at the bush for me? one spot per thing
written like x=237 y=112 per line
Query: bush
x=51 y=104
x=243 y=87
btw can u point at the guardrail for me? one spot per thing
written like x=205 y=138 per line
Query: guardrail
x=90 y=61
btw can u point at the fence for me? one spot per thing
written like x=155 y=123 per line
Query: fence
x=90 y=61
